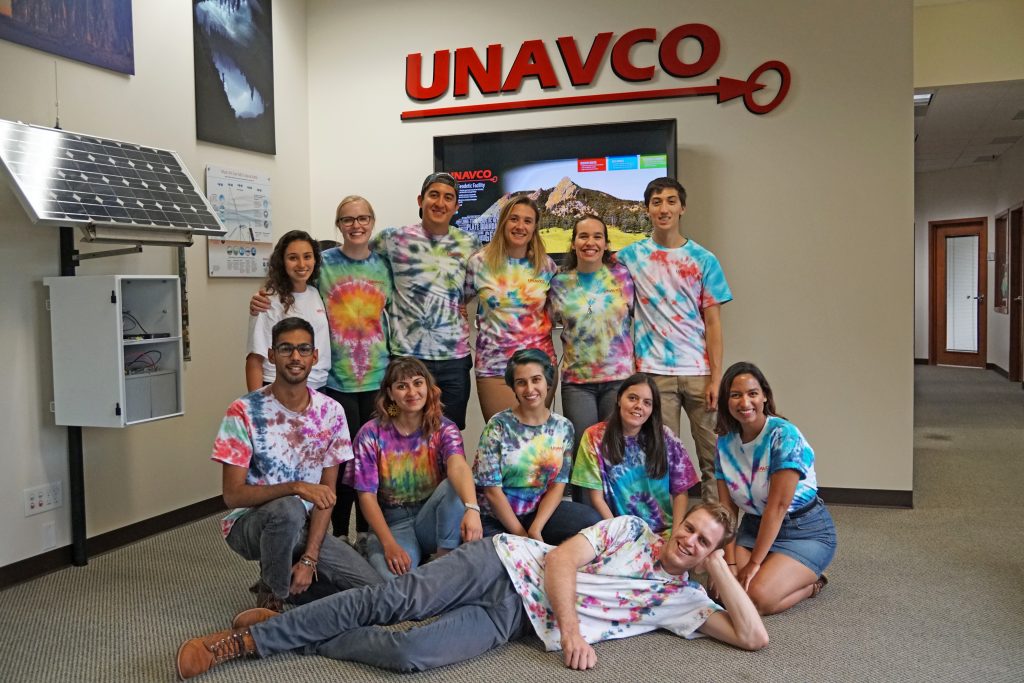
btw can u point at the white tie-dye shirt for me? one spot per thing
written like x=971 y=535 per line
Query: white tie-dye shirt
x=622 y=592
x=278 y=445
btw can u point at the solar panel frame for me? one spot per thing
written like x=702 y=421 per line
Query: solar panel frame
x=64 y=179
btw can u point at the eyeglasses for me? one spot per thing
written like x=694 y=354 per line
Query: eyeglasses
x=305 y=350
x=349 y=221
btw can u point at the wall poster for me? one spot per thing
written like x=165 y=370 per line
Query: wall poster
x=234 y=73
x=242 y=202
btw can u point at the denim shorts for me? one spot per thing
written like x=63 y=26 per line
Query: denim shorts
x=807 y=535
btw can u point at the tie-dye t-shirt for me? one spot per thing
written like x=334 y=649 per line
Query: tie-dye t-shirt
x=428 y=272
x=620 y=593
x=673 y=287
x=278 y=445
x=355 y=293
x=595 y=310
x=747 y=467
x=512 y=313
x=402 y=470
x=628 y=489
x=524 y=460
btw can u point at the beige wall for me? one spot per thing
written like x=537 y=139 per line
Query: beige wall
x=809 y=208
x=136 y=473
x=968 y=42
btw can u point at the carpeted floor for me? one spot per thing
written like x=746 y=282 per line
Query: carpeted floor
x=930 y=594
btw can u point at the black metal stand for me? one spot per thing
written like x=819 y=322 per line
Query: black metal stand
x=76 y=464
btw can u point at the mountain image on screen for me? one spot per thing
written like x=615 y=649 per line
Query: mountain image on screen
x=560 y=206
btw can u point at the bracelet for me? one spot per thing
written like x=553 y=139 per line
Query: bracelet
x=308 y=561
x=472 y=506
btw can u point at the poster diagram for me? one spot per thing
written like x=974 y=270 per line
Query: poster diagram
x=242 y=202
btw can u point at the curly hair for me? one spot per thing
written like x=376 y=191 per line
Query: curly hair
x=405 y=367
x=278 y=281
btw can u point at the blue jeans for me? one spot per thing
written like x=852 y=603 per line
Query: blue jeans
x=468 y=589
x=420 y=529
x=566 y=521
x=275 y=534
x=452 y=377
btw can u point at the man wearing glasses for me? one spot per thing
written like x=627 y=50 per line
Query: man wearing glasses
x=280 y=447
x=428 y=264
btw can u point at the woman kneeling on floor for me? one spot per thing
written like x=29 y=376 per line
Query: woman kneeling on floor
x=765 y=467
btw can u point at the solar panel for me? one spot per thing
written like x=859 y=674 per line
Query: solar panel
x=67 y=179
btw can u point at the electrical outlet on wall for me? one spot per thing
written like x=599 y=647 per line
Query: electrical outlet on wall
x=42 y=498
x=49 y=535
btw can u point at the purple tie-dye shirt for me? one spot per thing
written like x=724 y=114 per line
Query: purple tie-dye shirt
x=402 y=470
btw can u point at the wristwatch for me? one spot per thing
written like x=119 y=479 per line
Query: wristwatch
x=472 y=506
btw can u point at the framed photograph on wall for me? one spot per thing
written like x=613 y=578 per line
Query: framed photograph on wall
x=1001 y=296
x=92 y=31
x=234 y=73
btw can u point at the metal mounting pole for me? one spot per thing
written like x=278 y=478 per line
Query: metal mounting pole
x=76 y=464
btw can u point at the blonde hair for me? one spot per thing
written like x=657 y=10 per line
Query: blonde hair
x=350 y=199
x=496 y=252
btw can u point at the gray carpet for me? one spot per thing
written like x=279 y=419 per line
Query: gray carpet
x=931 y=594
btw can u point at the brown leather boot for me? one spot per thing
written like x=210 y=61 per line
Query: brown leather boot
x=266 y=599
x=199 y=655
x=247 y=618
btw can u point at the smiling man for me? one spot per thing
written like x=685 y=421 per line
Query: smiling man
x=613 y=580
x=428 y=265
x=677 y=328
x=280 y=447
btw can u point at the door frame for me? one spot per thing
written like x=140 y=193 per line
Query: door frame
x=977 y=225
x=1015 y=228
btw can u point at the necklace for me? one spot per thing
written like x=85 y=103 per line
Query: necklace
x=591 y=297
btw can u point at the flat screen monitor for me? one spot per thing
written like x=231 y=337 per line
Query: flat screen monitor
x=569 y=171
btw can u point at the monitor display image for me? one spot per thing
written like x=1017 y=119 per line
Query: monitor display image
x=570 y=171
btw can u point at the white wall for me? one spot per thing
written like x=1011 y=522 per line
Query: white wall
x=808 y=208
x=147 y=470
x=983 y=190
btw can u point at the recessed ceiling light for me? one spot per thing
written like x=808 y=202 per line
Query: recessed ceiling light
x=922 y=99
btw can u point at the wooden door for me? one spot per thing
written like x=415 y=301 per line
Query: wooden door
x=959 y=274
x=1016 y=294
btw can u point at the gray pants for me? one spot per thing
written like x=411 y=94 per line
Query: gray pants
x=468 y=589
x=275 y=534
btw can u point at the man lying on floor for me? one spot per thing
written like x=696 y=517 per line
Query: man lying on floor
x=612 y=580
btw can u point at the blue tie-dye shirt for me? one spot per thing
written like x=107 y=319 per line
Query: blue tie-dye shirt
x=628 y=488
x=673 y=287
x=428 y=271
x=746 y=467
x=524 y=460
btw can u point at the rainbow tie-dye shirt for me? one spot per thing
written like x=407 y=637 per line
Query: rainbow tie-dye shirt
x=746 y=468
x=278 y=445
x=512 y=312
x=355 y=294
x=402 y=470
x=673 y=287
x=595 y=310
x=524 y=460
x=620 y=593
x=628 y=489
x=428 y=272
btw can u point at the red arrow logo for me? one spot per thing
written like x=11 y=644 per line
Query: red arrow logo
x=725 y=89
